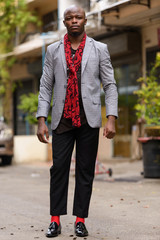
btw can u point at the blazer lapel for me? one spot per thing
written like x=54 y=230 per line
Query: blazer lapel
x=63 y=57
x=86 y=52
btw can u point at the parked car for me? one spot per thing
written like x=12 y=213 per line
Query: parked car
x=6 y=144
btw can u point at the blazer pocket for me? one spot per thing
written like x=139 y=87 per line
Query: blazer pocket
x=96 y=100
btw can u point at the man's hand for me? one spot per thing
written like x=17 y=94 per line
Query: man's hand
x=42 y=132
x=109 y=129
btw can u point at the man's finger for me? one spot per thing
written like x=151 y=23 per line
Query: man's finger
x=42 y=138
x=105 y=131
x=39 y=137
x=47 y=134
x=110 y=135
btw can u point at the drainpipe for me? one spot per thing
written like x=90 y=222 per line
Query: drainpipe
x=58 y=14
x=99 y=20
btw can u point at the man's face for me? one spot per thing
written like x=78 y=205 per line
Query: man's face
x=74 y=21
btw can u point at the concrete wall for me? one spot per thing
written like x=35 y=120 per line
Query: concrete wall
x=20 y=71
x=149 y=40
x=105 y=150
x=29 y=149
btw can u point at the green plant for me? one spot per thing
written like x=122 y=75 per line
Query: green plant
x=29 y=104
x=148 y=106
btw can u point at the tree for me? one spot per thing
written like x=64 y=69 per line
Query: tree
x=13 y=15
x=29 y=104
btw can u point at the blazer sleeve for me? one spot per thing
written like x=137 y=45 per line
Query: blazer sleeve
x=46 y=86
x=108 y=83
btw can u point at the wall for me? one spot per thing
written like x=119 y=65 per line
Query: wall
x=20 y=71
x=105 y=150
x=29 y=149
x=149 y=39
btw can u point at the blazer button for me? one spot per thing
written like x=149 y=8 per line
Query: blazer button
x=63 y=101
x=65 y=86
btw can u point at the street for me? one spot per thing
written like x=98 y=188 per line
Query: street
x=124 y=206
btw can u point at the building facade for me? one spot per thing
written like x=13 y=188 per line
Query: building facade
x=131 y=28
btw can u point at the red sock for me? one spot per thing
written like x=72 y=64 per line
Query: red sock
x=80 y=220
x=55 y=219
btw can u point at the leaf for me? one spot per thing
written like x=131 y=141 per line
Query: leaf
x=146 y=206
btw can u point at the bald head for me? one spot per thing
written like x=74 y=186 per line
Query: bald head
x=75 y=20
x=74 y=8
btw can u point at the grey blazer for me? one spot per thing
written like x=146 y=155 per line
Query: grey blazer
x=96 y=68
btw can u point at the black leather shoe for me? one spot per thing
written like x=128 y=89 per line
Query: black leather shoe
x=54 y=230
x=80 y=230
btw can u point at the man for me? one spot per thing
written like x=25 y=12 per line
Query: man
x=74 y=69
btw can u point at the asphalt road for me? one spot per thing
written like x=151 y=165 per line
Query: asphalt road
x=125 y=206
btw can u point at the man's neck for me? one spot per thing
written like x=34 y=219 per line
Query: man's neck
x=75 y=40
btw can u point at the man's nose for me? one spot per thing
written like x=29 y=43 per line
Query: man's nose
x=74 y=20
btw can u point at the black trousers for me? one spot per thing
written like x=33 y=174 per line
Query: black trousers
x=86 y=139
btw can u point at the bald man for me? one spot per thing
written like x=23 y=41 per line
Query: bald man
x=73 y=71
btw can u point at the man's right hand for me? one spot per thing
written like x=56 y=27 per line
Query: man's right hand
x=42 y=132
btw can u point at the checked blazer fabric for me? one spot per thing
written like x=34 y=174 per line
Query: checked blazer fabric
x=96 y=69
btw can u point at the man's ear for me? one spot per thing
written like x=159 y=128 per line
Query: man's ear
x=64 y=23
x=85 y=21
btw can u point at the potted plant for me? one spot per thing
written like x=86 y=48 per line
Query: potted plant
x=148 y=110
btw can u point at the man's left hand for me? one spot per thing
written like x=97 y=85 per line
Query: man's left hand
x=109 y=128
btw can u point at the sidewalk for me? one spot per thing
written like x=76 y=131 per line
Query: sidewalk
x=124 y=207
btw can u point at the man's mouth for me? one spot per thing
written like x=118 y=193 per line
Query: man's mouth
x=74 y=27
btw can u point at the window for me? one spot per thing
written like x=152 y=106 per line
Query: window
x=50 y=21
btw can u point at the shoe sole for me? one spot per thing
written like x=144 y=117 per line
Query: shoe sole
x=55 y=235
x=79 y=235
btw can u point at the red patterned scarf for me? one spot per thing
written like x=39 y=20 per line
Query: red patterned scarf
x=71 y=107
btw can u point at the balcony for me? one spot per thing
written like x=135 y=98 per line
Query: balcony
x=42 y=3
x=33 y=47
x=125 y=13
x=102 y=4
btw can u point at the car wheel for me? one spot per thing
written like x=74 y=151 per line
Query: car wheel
x=6 y=160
